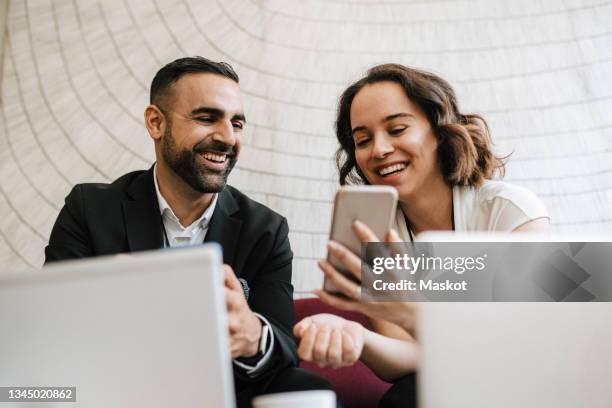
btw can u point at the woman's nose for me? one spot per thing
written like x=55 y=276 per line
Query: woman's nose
x=382 y=146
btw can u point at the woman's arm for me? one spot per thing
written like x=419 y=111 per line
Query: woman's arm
x=389 y=329
x=331 y=341
x=390 y=358
x=537 y=225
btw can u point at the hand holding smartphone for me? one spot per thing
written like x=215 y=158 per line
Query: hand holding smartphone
x=375 y=206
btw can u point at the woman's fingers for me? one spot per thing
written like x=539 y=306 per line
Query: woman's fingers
x=334 y=351
x=351 y=262
x=393 y=236
x=327 y=347
x=363 y=232
x=349 y=352
x=343 y=284
x=300 y=328
x=307 y=343
x=321 y=345
x=396 y=245
x=337 y=301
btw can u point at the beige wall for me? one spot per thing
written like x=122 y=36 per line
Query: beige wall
x=76 y=77
x=3 y=17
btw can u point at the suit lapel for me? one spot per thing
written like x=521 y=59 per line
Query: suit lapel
x=141 y=214
x=224 y=226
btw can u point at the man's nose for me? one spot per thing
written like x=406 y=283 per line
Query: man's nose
x=224 y=133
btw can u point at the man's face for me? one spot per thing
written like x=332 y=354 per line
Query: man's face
x=202 y=138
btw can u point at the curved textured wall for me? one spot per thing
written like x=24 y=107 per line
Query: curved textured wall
x=76 y=75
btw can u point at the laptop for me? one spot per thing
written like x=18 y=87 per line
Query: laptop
x=142 y=330
x=556 y=355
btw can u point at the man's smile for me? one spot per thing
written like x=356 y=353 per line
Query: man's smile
x=215 y=161
x=215 y=157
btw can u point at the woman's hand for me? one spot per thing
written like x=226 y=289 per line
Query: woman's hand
x=329 y=340
x=402 y=314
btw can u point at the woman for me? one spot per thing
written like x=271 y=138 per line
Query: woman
x=402 y=127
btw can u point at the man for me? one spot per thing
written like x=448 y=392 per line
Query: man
x=195 y=119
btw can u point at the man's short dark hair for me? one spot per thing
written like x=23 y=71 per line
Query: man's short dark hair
x=172 y=72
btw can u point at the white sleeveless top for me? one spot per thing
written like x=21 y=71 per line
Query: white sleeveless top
x=494 y=206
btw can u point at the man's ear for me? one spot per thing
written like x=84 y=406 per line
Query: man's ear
x=155 y=121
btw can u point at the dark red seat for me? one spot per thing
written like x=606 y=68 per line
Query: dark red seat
x=357 y=386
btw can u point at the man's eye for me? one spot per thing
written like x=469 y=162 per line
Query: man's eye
x=205 y=119
x=238 y=125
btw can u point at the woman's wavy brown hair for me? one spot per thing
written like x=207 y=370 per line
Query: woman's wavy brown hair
x=465 y=153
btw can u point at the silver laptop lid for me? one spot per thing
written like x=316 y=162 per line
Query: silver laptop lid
x=514 y=354
x=144 y=330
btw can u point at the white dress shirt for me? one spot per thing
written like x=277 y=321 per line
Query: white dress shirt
x=176 y=235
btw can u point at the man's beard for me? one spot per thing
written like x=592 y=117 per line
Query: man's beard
x=186 y=164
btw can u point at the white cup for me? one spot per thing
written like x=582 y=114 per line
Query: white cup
x=297 y=399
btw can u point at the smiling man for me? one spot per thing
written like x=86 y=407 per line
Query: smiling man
x=195 y=119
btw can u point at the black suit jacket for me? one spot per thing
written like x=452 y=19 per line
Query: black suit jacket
x=103 y=219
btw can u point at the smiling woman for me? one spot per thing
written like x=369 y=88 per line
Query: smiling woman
x=402 y=127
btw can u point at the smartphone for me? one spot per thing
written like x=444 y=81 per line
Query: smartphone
x=373 y=205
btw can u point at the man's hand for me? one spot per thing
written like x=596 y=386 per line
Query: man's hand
x=244 y=326
x=329 y=340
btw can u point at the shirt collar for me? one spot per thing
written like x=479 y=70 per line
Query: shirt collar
x=166 y=211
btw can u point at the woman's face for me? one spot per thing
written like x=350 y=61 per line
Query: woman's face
x=394 y=142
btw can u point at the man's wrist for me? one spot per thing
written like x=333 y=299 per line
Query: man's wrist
x=261 y=359
x=263 y=340
x=254 y=338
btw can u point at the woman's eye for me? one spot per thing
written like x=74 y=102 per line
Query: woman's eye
x=397 y=130
x=362 y=141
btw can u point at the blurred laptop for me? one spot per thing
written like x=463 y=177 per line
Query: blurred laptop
x=144 y=330
x=501 y=355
